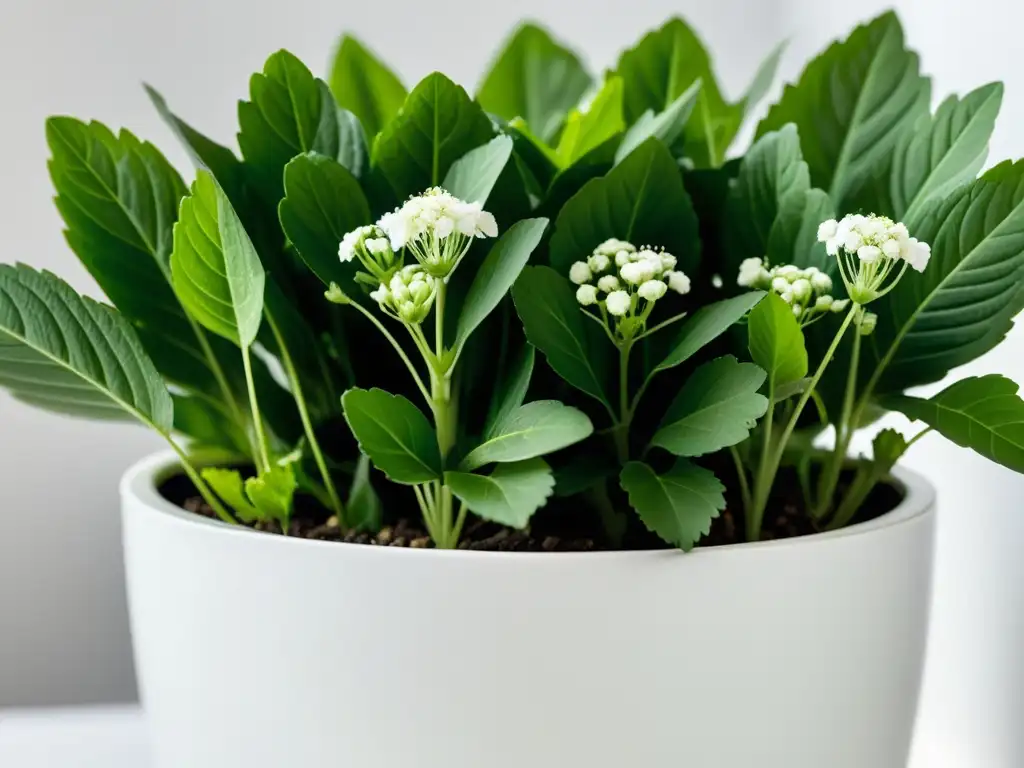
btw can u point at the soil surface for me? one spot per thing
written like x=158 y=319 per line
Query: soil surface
x=564 y=525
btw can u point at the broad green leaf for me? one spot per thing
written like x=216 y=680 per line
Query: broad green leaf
x=216 y=271
x=473 y=176
x=437 y=125
x=509 y=495
x=776 y=342
x=717 y=407
x=534 y=429
x=584 y=132
x=583 y=472
x=678 y=505
x=943 y=151
x=497 y=274
x=322 y=203
x=666 y=126
x=208 y=425
x=763 y=78
x=394 y=433
x=228 y=484
x=273 y=493
x=963 y=303
x=510 y=390
x=552 y=318
x=69 y=354
x=794 y=238
x=852 y=104
x=536 y=79
x=364 y=86
x=364 y=511
x=641 y=200
x=706 y=325
x=983 y=413
x=290 y=112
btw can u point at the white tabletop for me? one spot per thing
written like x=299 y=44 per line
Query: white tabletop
x=91 y=737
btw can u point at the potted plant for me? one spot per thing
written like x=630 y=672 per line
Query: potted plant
x=489 y=363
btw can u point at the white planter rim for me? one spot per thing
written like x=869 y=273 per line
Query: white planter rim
x=142 y=480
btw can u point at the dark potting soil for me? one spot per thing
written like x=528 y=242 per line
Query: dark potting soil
x=564 y=525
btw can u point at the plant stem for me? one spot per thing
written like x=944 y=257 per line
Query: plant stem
x=263 y=458
x=197 y=480
x=307 y=425
x=755 y=511
x=625 y=415
x=444 y=423
x=398 y=348
x=741 y=473
x=222 y=381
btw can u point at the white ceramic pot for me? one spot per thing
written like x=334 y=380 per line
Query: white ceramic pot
x=259 y=651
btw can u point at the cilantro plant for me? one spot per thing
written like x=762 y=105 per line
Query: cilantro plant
x=347 y=310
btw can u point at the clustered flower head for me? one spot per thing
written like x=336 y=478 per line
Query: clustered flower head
x=370 y=245
x=869 y=250
x=409 y=294
x=624 y=283
x=807 y=290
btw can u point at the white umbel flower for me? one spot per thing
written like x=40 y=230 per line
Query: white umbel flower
x=580 y=273
x=917 y=254
x=618 y=303
x=409 y=295
x=370 y=246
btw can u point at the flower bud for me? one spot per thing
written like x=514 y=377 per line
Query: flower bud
x=652 y=290
x=802 y=290
x=839 y=305
x=608 y=283
x=821 y=283
x=598 y=262
x=618 y=303
x=780 y=285
x=678 y=282
x=580 y=273
x=823 y=303
x=586 y=295
x=867 y=323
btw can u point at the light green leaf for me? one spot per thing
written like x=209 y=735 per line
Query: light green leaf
x=291 y=113
x=364 y=510
x=717 y=407
x=536 y=79
x=509 y=495
x=641 y=200
x=963 y=303
x=776 y=342
x=666 y=126
x=437 y=125
x=586 y=131
x=322 y=203
x=706 y=325
x=943 y=151
x=363 y=85
x=273 y=493
x=473 y=176
x=763 y=78
x=496 y=275
x=534 y=429
x=510 y=390
x=68 y=354
x=228 y=484
x=852 y=104
x=679 y=505
x=983 y=413
x=554 y=324
x=394 y=433
x=216 y=271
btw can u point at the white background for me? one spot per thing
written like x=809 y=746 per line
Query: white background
x=63 y=631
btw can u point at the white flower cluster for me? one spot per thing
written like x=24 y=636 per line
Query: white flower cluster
x=807 y=290
x=869 y=249
x=409 y=295
x=617 y=276
x=371 y=246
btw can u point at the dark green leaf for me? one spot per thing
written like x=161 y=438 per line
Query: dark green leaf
x=534 y=429
x=509 y=495
x=888 y=447
x=666 y=126
x=363 y=85
x=364 y=511
x=394 y=433
x=473 y=176
x=776 y=341
x=706 y=325
x=679 y=505
x=585 y=132
x=716 y=408
x=510 y=391
x=207 y=424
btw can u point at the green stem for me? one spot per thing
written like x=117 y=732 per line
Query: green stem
x=444 y=422
x=398 y=348
x=741 y=473
x=263 y=458
x=625 y=416
x=307 y=424
x=197 y=480
x=762 y=482
x=222 y=381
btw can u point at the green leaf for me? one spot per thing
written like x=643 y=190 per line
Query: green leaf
x=364 y=510
x=706 y=325
x=509 y=495
x=291 y=113
x=555 y=325
x=322 y=203
x=273 y=493
x=496 y=275
x=228 y=484
x=437 y=125
x=473 y=176
x=534 y=429
x=716 y=408
x=852 y=104
x=776 y=342
x=364 y=86
x=962 y=305
x=69 y=354
x=983 y=413
x=763 y=78
x=666 y=126
x=394 y=433
x=586 y=131
x=536 y=79
x=679 y=505
x=641 y=200
x=943 y=151
x=216 y=271
x=208 y=425
x=888 y=447
x=510 y=391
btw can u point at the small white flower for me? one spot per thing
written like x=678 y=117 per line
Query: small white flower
x=827 y=230
x=821 y=282
x=853 y=242
x=668 y=261
x=381 y=295
x=611 y=247
x=802 y=290
x=780 y=284
x=750 y=272
x=823 y=303
x=789 y=271
x=652 y=290
x=678 y=282
x=891 y=249
x=786 y=296
x=618 y=303
x=580 y=273
x=622 y=258
x=839 y=305
x=608 y=283
x=586 y=295
x=798 y=310
x=347 y=249
x=598 y=262
x=869 y=254
x=637 y=272
x=918 y=254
